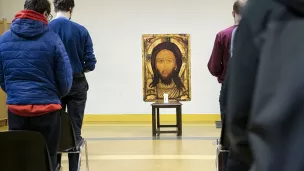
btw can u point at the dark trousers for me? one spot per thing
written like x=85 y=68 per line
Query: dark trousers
x=224 y=161
x=223 y=112
x=222 y=101
x=48 y=125
x=235 y=164
x=75 y=103
x=230 y=161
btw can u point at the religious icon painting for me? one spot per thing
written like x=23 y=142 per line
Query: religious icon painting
x=166 y=67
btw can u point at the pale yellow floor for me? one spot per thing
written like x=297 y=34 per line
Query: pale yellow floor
x=129 y=147
x=119 y=147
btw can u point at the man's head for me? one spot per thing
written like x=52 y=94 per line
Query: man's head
x=40 y=6
x=64 y=6
x=165 y=63
x=238 y=7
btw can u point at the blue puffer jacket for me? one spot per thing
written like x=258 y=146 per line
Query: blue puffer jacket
x=34 y=65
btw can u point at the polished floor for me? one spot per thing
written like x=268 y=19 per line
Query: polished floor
x=130 y=147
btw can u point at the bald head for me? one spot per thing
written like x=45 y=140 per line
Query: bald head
x=238 y=7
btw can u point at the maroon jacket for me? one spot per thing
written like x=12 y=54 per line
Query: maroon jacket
x=217 y=64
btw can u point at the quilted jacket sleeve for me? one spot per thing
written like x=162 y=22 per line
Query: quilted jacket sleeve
x=63 y=70
x=2 y=77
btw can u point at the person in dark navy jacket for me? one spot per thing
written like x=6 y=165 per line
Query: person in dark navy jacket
x=79 y=46
x=35 y=73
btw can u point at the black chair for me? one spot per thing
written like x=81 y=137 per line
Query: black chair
x=24 y=151
x=68 y=143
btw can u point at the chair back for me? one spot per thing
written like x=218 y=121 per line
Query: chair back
x=23 y=151
x=67 y=137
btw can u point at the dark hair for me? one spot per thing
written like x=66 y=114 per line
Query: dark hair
x=238 y=6
x=178 y=58
x=63 y=5
x=39 y=6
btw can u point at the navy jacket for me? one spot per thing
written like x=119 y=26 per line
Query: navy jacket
x=34 y=66
x=78 y=44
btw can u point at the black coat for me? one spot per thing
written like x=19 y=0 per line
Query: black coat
x=223 y=98
x=265 y=114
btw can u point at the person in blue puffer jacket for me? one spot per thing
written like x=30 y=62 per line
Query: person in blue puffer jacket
x=35 y=73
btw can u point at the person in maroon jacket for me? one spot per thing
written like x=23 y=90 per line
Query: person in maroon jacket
x=217 y=64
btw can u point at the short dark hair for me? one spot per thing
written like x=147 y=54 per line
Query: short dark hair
x=39 y=6
x=238 y=6
x=63 y=5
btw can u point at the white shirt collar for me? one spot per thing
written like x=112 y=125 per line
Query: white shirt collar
x=62 y=15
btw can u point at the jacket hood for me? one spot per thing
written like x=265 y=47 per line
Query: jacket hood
x=296 y=6
x=29 y=24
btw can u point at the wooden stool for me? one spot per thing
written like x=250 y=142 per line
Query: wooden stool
x=156 y=119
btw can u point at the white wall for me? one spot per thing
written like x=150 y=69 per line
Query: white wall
x=1 y=8
x=116 y=27
x=10 y=7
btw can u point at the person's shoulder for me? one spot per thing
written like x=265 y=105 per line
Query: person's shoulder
x=6 y=36
x=51 y=37
x=51 y=34
x=56 y=21
x=62 y=23
x=80 y=27
x=76 y=27
x=226 y=31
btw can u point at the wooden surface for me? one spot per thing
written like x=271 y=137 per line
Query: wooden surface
x=4 y=26
x=3 y=107
x=156 y=125
x=126 y=147
x=3 y=123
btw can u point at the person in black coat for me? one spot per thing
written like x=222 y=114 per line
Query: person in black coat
x=266 y=87
x=233 y=163
x=242 y=76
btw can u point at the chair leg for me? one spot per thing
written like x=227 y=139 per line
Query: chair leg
x=153 y=122
x=79 y=159
x=216 y=155
x=58 y=168
x=87 y=155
